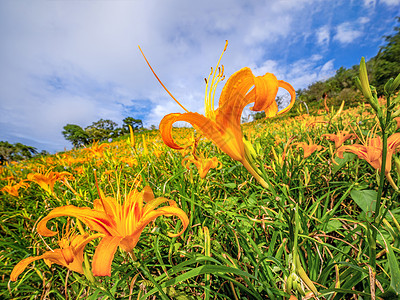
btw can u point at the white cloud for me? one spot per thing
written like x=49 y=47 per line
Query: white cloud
x=363 y=20
x=323 y=35
x=78 y=61
x=391 y=2
x=346 y=33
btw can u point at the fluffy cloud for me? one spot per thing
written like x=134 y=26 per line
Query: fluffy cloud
x=323 y=35
x=78 y=61
x=346 y=33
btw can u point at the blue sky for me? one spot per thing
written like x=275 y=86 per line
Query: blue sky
x=78 y=61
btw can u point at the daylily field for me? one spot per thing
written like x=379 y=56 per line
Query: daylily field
x=297 y=205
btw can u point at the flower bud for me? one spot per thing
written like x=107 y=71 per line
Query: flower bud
x=364 y=80
x=396 y=83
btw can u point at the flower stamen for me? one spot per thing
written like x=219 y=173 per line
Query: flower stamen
x=217 y=76
x=159 y=80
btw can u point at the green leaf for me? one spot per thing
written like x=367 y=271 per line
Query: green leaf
x=394 y=270
x=333 y=225
x=365 y=200
x=207 y=269
x=340 y=162
x=230 y=185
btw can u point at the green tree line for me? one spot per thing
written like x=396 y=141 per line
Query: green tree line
x=16 y=152
x=100 y=130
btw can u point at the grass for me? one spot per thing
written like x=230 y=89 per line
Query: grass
x=242 y=240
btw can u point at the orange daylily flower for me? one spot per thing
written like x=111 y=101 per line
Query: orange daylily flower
x=203 y=164
x=47 y=180
x=340 y=137
x=371 y=151
x=308 y=149
x=96 y=149
x=70 y=255
x=222 y=125
x=13 y=189
x=397 y=123
x=120 y=223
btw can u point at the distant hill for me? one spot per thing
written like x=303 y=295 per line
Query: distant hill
x=381 y=68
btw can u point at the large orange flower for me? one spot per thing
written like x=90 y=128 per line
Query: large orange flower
x=222 y=125
x=121 y=223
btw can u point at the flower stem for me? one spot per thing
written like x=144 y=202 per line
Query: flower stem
x=147 y=274
x=373 y=231
x=254 y=172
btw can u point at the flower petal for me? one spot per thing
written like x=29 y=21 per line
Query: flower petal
x=104 y=255
x=266 y=88
x=172 y=210
x=234 y=98
x=228 y=138
x=22 y=265
x=292 y=92
x=96 y=220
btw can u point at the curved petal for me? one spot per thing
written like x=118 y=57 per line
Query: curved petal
x=266 y=88
x=172 y=210
x=148 y=194
x=292 y=92
x=104 y=255
x=234 y=98
x=110 y=206
x=166 y=130
x=154 y=204
x=393 y=142
x=228 y=138
x=129 y=242
x=96 y=220
x=22 y=265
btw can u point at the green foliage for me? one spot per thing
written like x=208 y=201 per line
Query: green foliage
x=100 y=130
x=76 y=135
x=15 y=152
x=386 y=64
x=259 y=116
x=135 y=123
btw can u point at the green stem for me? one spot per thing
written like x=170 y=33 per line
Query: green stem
x=147 y=274
x=144 y=269
x=372 y=229
x=254 y=172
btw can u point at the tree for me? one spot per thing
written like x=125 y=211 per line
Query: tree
x=135 y=123
x=386 y=64
x=76 y=135
x=101 y=130
x=15 y=152
x=259 y=116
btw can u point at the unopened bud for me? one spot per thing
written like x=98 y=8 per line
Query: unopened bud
x=396 y=83
x=388 y=88
x=364 y=80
